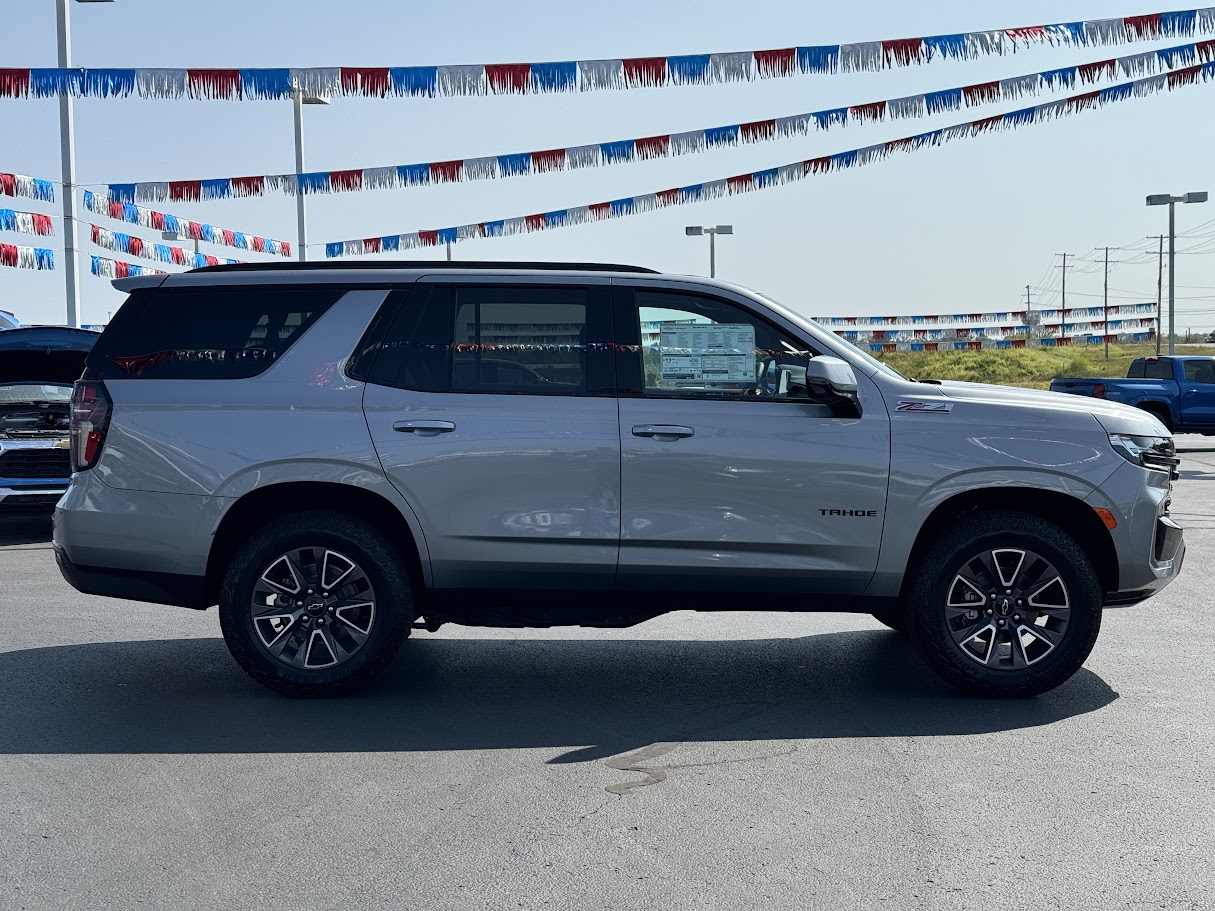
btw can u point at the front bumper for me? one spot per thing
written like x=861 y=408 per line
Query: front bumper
x=1149 y=543
x=41 y=495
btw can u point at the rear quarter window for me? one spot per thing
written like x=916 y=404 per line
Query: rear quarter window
x=1158 y=370
x=206 y=334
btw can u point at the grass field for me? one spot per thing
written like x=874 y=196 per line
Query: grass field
x=1029 y=367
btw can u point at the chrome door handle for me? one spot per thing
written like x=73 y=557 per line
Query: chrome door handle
x=424 y=428
x=663 y=432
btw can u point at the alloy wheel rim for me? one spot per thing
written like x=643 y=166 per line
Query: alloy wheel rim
x=313 y=608
x=1007 y=608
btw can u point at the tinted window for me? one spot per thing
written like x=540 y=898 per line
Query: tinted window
x=694 y=346
x=216 y=333
x=504 y=339
x=1136 y=370
x=1158 y=370
x=416 y=352
x=1200 y=371
x=518 y=339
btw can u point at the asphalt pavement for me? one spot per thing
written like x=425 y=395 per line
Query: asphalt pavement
x=698 y=761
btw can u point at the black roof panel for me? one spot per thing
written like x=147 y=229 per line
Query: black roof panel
x=426 y=265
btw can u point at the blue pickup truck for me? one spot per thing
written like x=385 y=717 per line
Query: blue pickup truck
x=1180 y=391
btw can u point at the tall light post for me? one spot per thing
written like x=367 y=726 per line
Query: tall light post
x=1164 y=199
x=67 y=143
x=298 y=100
x=697 y=231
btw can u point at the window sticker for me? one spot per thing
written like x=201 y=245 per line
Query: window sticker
x=707 y=354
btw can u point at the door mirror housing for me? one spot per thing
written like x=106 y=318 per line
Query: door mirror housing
x=832 y=382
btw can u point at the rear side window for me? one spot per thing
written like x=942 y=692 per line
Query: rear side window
x=213 y=333
x=503 y=339
x=1158 y=370
x=1136 y=371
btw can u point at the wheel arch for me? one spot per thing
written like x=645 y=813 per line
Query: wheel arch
x=1159 y=410
x=259 y=506
x=1072 y=515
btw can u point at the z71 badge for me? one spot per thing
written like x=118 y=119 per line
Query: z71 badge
x=938 y=407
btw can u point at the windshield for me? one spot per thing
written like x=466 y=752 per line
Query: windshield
x=34 y=392
x=860 y=352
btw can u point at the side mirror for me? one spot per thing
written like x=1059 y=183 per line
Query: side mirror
x=831 y=381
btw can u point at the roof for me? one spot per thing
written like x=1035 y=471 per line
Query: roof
x=457 y=265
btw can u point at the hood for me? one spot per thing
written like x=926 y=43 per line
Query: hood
x=44 y=354
x=1114 y=417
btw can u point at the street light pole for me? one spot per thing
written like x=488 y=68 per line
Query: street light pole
x=1159 y=291
x=1172 y=263
x=697 y=230
x=1165 y=199
x=67 y=139
x=301 y=218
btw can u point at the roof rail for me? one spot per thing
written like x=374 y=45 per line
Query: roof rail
x=427 y=265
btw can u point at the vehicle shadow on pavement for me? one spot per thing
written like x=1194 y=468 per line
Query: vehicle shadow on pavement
x=588 y=698
x=19 y=528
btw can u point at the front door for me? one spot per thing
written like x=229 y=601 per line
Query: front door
x=732 y=478
x=493 y=414
x=1198 y=394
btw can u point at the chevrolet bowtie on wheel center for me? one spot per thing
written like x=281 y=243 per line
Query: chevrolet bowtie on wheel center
x=335 y=455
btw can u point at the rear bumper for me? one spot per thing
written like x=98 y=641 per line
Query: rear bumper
x=134 y=585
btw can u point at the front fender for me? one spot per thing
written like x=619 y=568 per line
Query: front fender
x=900 y=535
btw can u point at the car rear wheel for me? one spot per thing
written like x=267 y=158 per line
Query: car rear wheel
x=1005 y=604
x=316 y=604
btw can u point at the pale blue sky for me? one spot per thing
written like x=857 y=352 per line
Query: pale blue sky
x=962 y=228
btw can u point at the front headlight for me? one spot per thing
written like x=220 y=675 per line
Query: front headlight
x=1157 y=453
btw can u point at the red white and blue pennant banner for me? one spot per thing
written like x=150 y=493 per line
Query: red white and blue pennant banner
x=980 y=344
x=16 y=257
x=26 y=222
x=743 y=183
x=27 y=187
x=998 y=318
x=135 y=246
x=623 y=151
x=112 y=268
x=592 y=75
x=160 y=221
x=1069 y=329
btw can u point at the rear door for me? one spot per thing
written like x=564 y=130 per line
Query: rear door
x=492 y=410
x=1198 y=392
x=732 y=479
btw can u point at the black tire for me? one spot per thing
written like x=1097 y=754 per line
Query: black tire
x=385 y=568
x=895 y=618
x=969 y=539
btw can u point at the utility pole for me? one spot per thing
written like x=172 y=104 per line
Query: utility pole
x=1159 y=292
x=1105 y=325
x=1063 y=305
x=1029 y=314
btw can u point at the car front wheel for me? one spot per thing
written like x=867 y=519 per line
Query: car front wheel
x=1005 y=604
x=316 y=604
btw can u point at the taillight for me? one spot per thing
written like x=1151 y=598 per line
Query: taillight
x=1099 y=391
x=90 y=420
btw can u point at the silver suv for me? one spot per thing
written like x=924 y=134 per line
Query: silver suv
x=336 y=455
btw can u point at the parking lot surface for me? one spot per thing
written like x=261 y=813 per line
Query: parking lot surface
x=744 y=760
